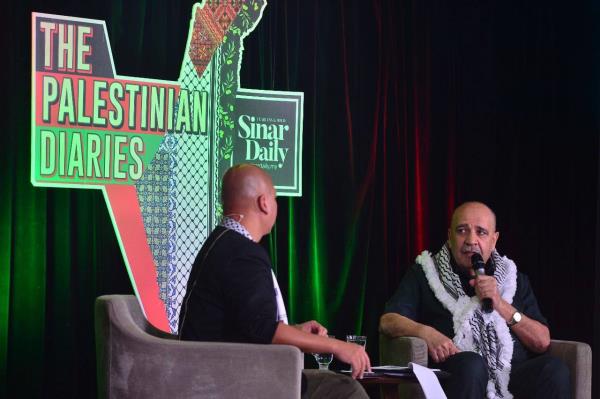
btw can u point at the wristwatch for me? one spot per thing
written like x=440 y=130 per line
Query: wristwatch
x=516 y=317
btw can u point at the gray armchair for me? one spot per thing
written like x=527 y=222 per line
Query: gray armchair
x=135 y=360
x=577 y=356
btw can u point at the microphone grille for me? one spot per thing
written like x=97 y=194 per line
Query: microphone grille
x=476 y=259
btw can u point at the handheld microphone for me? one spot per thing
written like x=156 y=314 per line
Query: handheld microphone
x=479 y=267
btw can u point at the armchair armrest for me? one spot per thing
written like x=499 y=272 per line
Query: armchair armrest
x=136 y=360
x=401 y=350
x=153 y=367
x=578 y=357
x=209 y=369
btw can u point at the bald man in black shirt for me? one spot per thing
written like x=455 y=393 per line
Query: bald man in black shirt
x=497 y=354
x=233 y=296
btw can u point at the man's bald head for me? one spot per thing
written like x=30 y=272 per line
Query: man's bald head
x=248 y=192
x=466 y=206
x=242 y=185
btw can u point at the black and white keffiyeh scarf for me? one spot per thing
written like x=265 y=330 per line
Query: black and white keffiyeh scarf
x=475 y=330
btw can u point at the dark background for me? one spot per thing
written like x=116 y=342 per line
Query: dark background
x=411 y=107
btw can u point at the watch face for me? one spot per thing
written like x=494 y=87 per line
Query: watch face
x=517 y=317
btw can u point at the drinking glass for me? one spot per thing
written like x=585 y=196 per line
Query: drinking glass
x=324 y=358
x=357 y=339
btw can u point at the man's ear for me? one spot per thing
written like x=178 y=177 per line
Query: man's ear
x=496 y=236
x=263 y=204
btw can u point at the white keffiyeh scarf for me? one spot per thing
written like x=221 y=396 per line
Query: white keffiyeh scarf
x=238 y=227
x=475 y=330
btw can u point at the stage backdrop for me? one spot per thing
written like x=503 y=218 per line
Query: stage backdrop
x=410 y=108
x=157 y=149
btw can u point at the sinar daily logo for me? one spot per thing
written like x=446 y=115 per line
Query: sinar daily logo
x=157 y=149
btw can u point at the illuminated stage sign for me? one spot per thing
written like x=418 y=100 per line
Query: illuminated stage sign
x=157 y=149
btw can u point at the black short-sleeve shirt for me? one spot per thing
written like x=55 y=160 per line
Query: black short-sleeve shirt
x=415 y=299
x=230 y=293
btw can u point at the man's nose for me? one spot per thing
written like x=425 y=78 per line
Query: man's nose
x=471 y=238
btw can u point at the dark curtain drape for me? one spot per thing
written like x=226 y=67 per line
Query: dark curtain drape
x=411 y=107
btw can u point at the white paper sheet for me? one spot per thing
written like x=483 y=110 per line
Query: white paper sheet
x=429 y=382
